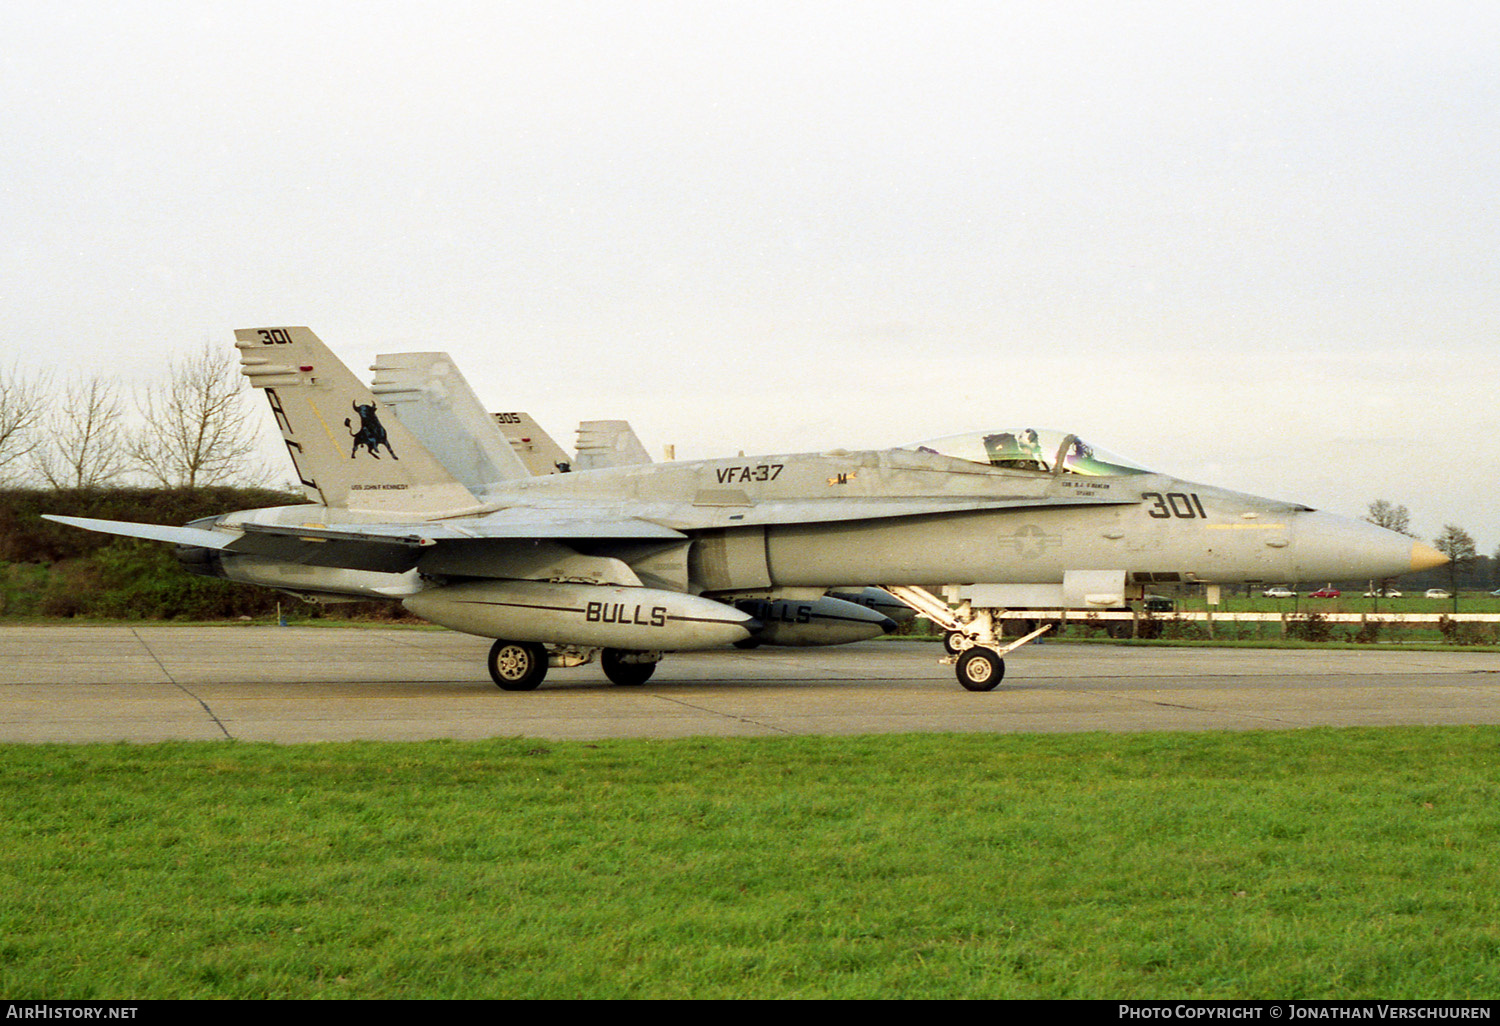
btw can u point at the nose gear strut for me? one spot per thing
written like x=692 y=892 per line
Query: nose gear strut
x=970 y=636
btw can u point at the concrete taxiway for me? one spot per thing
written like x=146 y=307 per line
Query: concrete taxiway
x=303 y=684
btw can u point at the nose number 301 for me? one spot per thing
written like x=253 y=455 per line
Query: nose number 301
x=1174 y=504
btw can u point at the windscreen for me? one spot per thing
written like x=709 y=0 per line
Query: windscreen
x=1032 y=449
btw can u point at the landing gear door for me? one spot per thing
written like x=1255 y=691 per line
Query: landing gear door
x=1080 y=589
x=1093 y=589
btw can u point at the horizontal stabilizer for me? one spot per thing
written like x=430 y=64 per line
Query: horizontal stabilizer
x=152 y=532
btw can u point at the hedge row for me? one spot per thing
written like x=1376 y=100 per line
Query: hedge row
x=49 y=570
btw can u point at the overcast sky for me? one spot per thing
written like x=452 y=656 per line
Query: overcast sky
x=1254 y=245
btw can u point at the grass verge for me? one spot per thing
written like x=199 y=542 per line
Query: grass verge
x=1306 y=864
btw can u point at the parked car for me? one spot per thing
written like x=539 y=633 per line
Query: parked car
x=1159 y=604
x=1438 y=593
x=1388 y=593
x=1326 y=592
x=1279 y=592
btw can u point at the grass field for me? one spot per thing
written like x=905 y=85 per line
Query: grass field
x=1305 y=864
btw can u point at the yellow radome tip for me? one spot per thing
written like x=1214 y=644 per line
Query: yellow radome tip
x=1425 y=557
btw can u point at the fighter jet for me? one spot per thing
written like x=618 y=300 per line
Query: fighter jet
x=432 y=399
x=641 y=560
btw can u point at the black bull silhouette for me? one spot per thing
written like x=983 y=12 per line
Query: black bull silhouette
x=371 y=433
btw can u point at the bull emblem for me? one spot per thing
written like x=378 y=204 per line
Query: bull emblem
x=371 y=433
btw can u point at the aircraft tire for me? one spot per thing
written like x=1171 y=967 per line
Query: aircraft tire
x=950 y=642
x=517 y=665
x=980 y=669
x=620 y=672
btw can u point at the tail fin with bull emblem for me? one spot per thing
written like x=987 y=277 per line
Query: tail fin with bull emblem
x=346 y=448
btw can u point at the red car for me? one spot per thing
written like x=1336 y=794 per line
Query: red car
x=1328 y=592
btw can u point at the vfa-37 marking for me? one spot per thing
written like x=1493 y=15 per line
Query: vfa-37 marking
x=633 y=561
x=744 y=475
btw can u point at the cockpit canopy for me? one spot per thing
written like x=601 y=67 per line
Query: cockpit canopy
x=1050 y=452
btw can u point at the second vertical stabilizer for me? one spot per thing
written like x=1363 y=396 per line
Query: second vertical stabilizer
x=434 y=400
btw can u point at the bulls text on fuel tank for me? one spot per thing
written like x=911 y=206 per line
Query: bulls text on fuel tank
x=618 y=612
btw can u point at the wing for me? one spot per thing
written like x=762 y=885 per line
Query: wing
x=396 y=547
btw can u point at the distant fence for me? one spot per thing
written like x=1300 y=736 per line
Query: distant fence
x=1142 y=624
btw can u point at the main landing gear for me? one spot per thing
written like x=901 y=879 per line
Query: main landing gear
x=518 y=665
x=522 y=665
x=970 y=637
x=628 y=668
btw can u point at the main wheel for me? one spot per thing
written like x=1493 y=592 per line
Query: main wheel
x=621 y=672
x=518 y=665
x=980 y=669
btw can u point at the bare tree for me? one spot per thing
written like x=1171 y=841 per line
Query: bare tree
x=1390 y=516
x=1458 y=546
x=23 y=401
x=82 y=445
x=198 y=431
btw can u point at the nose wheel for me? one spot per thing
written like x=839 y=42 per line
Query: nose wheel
x=980 y=669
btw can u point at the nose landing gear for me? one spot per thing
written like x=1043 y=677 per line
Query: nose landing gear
x=970 y=637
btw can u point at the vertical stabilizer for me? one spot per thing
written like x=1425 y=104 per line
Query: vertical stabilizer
x=533 y=446
x=346 y=449
x=608 y=443
x=435 y=402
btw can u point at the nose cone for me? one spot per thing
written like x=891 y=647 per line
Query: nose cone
x=1332 y=547
x=1425 y=557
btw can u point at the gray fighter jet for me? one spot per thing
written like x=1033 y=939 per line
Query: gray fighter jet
x=640 y=560
x=430 y=397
